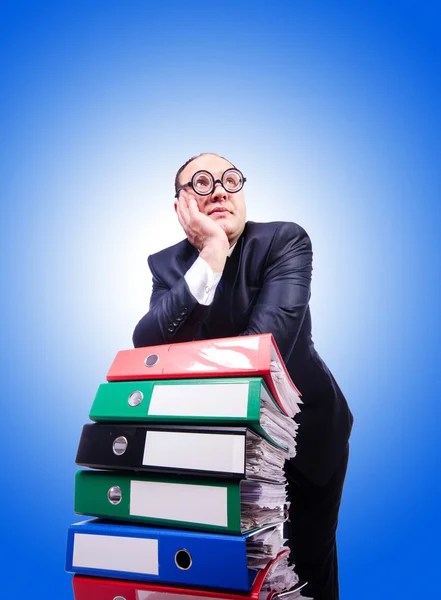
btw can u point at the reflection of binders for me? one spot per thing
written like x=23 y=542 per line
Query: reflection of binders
x=190 y=503
x=233 y=452
x=251 y=356
x=229 y=401
x=88 y=588
x=166 y=556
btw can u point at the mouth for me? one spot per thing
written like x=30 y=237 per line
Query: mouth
x=218 y=210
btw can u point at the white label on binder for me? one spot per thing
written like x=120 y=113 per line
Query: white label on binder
x=116 y=553
x=179 y=502
x=208 y=400
x=216 y=452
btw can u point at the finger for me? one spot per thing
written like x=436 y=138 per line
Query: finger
x=185 y=195
x=193 y=207
x=190 y=199
x=184 y=200
x=189 y=216
x=183 y=213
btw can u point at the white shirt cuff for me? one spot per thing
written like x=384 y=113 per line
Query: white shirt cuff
x=202 y=281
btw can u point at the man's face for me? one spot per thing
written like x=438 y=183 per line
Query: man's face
x=227 y=209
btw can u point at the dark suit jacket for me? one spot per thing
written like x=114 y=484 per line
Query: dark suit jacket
x=265 y=287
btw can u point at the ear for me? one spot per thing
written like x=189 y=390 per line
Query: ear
x=175 y=204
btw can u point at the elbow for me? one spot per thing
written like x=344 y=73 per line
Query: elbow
x=138 y=337
x=147 y=333
x=135 y=339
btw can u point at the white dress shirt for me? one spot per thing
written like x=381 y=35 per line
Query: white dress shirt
x=202 y=280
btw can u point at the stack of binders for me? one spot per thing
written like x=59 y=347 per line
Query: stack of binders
x=187 y=449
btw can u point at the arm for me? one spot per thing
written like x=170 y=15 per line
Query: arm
x=202 y=232
x=175 y=312
x=283 y=299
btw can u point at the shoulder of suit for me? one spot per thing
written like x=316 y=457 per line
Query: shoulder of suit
x=182 y=248
x=284 y=227
x=252 y=229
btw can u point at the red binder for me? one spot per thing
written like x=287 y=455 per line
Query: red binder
x=95 y=588
x=242 y=356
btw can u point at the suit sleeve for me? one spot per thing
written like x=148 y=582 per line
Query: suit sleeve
x=174 y=315
x=283 y=299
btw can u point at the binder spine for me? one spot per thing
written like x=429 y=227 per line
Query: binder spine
x=195 y=504
x=182 y=558
x=213 y=452
x=175 y=401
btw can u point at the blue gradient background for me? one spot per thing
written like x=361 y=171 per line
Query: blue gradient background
x=332 y=112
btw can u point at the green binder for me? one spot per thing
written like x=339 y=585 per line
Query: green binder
x=233 y=507
x=223 y=401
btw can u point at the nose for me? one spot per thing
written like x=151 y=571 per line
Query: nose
x=219 y=192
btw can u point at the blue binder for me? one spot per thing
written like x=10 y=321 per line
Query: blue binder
x=167 y=556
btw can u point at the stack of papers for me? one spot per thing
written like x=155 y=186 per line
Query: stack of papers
x=262 y=503
x=281 y=428
x=285 y=390
x=263 y=545
x=263 y=460
x=281 y=577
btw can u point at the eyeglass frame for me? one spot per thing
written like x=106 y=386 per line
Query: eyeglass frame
x=215 y=181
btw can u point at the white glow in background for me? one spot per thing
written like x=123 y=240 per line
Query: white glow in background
x=333 y=118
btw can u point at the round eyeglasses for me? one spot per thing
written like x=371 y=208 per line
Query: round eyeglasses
x=203 y=182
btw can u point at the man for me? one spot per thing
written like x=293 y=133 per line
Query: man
x=231 y=277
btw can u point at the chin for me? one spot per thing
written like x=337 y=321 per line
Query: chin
x=227 y=227
x=222 y=219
